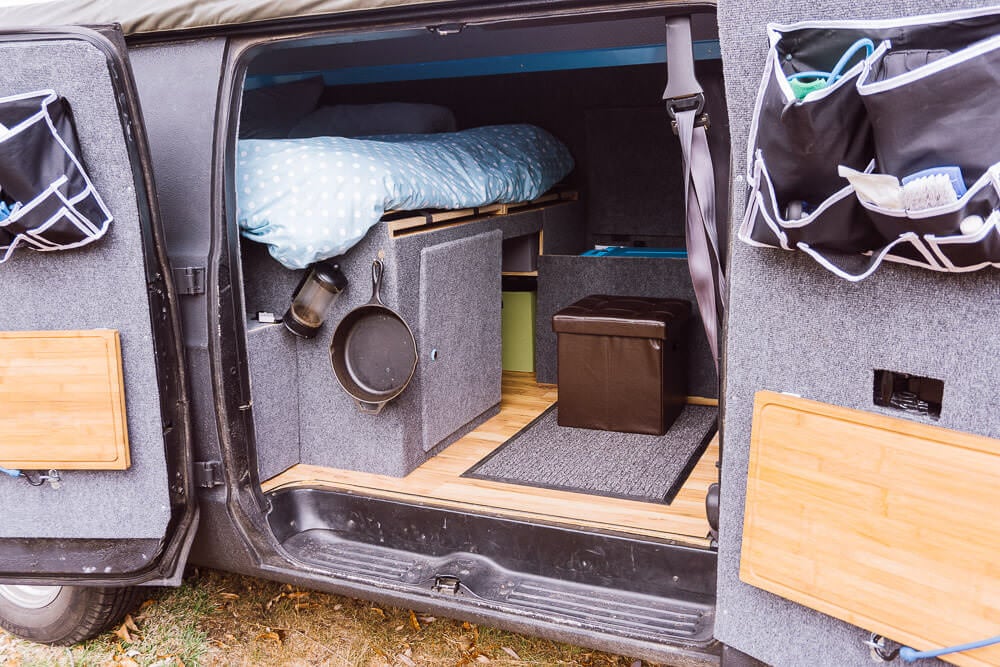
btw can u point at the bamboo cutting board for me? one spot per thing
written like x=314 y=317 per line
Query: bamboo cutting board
x=62 y=401
x=888 y=524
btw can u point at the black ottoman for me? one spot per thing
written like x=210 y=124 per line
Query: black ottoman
x=622 y=363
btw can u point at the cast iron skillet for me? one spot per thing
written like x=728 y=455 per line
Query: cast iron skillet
x=373 y=351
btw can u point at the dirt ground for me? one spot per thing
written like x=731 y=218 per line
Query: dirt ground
x=217 y=618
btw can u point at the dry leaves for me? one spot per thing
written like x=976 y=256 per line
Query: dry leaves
x=124 y=632
x=511 y=652
x=269 y=636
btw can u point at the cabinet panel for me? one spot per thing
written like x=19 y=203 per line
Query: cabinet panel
x=459 y=334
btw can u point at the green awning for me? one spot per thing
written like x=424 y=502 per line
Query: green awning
x=151 y=16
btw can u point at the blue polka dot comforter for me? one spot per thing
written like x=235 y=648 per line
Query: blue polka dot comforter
x=311 y=199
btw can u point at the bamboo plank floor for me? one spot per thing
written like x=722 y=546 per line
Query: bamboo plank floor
x=439 y=482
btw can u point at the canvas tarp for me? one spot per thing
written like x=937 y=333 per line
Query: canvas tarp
x=153 y=16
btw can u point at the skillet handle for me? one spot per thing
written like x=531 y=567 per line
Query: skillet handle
x=377 y=270
x=370 y=408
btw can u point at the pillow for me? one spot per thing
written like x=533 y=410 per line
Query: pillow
x=270 y=112
x=363 y=120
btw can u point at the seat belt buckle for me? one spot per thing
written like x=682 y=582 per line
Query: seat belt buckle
x=694 y=103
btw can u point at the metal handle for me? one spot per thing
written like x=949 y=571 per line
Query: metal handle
x=370 y=408
x=378 y=269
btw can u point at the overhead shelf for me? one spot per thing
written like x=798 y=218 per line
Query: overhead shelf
x=513 y=64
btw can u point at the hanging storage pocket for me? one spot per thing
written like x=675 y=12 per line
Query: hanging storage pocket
x=48 y=200
x=802 y=140
x=893 y=97
x=934 y=108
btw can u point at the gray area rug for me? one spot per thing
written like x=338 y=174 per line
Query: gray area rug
x=648 y=468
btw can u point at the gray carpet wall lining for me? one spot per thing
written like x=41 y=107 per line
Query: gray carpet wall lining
x=273 y=359
x=563 y=279
x=333 y=431
x=411 y=428
x=561 y=229
x=632 y=154
x=794 y=327
x=459 y=333
x=100 y=286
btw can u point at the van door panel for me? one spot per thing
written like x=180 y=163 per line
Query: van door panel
x=793 y=327
x=116 y=283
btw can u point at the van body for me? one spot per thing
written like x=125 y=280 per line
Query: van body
x=245 y=454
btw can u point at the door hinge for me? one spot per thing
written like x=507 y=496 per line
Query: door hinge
x=207 y=474
x=189 y=279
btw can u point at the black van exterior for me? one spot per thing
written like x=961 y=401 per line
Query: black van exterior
x=663 y=600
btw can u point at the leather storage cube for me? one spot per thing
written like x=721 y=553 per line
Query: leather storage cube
x=622 y=363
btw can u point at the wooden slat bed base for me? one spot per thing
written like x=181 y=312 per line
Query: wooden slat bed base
x=402 y=223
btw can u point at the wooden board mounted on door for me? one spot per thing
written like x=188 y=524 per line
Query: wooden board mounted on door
x=888 y=524
x=62 y=401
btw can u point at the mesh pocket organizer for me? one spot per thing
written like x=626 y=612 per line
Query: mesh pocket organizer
x=890 y=97
x=49 y=202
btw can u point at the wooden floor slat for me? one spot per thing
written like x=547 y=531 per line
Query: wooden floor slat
x=438 y=481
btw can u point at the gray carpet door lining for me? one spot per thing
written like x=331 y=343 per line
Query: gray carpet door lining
x=795 y=327
x=70 y=290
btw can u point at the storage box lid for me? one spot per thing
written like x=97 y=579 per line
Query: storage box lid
x=633 y=316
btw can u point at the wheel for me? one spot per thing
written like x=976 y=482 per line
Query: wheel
x=63 y=614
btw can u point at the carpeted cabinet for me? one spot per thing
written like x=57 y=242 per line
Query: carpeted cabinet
x=445 y=283
x=459 y=334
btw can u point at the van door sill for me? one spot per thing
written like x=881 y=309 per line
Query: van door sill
x=642 y=590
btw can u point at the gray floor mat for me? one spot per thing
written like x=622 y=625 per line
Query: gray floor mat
x=647 y=468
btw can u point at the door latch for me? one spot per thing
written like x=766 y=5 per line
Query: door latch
x=447 y=583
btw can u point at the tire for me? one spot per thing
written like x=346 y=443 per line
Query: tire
x=63 y=615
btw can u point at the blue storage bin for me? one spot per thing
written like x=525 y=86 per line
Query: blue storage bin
x=624 y=251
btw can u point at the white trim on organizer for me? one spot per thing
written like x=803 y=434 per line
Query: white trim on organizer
x=772 y=69
x=835 y=198
x=883 y=254
x=65 y=211
x=769 y=221
x=755 y=204
x=935 y=242
x=857 y=72
x=48 y=96
x=76 y=162
x=91 y=230
x=755 y=117
x=32 y=204
x=930 y=69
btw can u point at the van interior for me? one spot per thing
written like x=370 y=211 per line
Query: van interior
x=476 y=428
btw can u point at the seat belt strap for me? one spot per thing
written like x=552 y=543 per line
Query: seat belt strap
x=685 y=101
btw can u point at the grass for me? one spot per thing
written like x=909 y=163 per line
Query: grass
x=217 y=618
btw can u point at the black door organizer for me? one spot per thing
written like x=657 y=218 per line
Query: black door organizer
x=892 y=97
x=48 y=202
